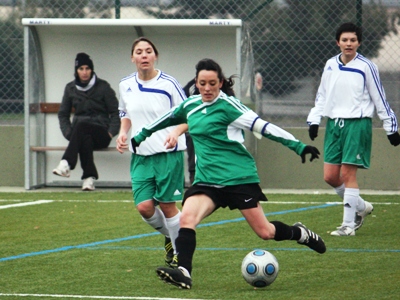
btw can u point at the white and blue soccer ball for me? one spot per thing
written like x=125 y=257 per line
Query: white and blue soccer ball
x=260 y=268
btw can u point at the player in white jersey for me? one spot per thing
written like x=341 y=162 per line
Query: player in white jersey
x=226 y=173
x=156 y=172
x=348 y=94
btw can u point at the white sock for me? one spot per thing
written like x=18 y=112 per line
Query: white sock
x=360 y=204
x=360 y=201
x=304 y=235
x=349 y=206
x=340 y=190
x=173 y=228
x=157 y=221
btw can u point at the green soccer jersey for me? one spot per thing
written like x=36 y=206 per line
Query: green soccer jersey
x=217 y=131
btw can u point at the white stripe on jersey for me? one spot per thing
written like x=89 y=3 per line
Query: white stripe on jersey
x=175 y=83
x=235 y=103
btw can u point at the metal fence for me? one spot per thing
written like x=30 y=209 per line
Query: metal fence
x=291 y=40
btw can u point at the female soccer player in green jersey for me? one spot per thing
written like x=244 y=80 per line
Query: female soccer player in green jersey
x=226 y=174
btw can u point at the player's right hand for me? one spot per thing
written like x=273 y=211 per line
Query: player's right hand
x=122 y=145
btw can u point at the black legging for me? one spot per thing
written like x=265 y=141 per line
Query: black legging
x=85 y=138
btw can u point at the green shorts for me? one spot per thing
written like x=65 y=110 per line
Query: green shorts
x=348 y=141
x=159 y=177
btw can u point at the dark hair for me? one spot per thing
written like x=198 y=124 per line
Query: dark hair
x=211 y=65
x=143 y=39
x=349 y=27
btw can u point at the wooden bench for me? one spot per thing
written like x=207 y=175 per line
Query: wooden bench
x=45 y=108
x=52 y=108
x=62 y=148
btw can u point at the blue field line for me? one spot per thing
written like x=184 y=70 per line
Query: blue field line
x=268 y=214
x=130 y=248
x=94 y=244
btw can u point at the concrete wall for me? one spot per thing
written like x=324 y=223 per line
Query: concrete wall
x=278 y=166
x=12 y=156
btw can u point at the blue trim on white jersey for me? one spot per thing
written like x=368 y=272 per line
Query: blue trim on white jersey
x=265 y=126
x=156 y=91
x=377 y=82
x=252 y=125
x=346 y=69
x=175 y=83
x=163 y=92
x=128 y=77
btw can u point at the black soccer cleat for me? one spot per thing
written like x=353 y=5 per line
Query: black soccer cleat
x=312 y=240
x=169 y=252
x=173 y=263
x=175 y=277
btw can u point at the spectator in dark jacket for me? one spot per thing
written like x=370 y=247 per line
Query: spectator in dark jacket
x=94 y=123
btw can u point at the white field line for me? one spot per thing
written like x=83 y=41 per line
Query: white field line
x=95 y=201
x=25 y=204
x=338 y=203
x=90 y=297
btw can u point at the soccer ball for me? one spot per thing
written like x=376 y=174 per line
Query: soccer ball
x=260 y=268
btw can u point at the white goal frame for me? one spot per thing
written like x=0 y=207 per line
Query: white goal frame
x=50 y=47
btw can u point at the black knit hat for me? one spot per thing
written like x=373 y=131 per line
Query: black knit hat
x=83 y=59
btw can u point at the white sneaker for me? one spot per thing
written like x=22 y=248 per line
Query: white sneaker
x=62 y=169
x=344 y=231
x=88 y=184
x=359 y=219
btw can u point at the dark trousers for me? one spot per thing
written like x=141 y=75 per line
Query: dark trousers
x=85 y=138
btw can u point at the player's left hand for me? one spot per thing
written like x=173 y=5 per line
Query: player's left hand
x=171 y=140
x=394 y=139
x=309 y=150
x=313 y=131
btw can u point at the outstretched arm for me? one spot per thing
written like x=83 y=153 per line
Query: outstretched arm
x=275 y=133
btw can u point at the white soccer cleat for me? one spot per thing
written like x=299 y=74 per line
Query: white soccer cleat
x=344 y=231
x=88 y=184
x=359 y=219
x=62 y=169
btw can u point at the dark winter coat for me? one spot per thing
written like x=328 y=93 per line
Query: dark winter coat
x=99 y=105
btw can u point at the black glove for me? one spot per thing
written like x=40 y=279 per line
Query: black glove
x=394 y=139
x=313 y=131
x=134 y=144
x=309 y=150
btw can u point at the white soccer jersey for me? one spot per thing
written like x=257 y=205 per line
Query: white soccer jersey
x=353 y=90
x=144 y=101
